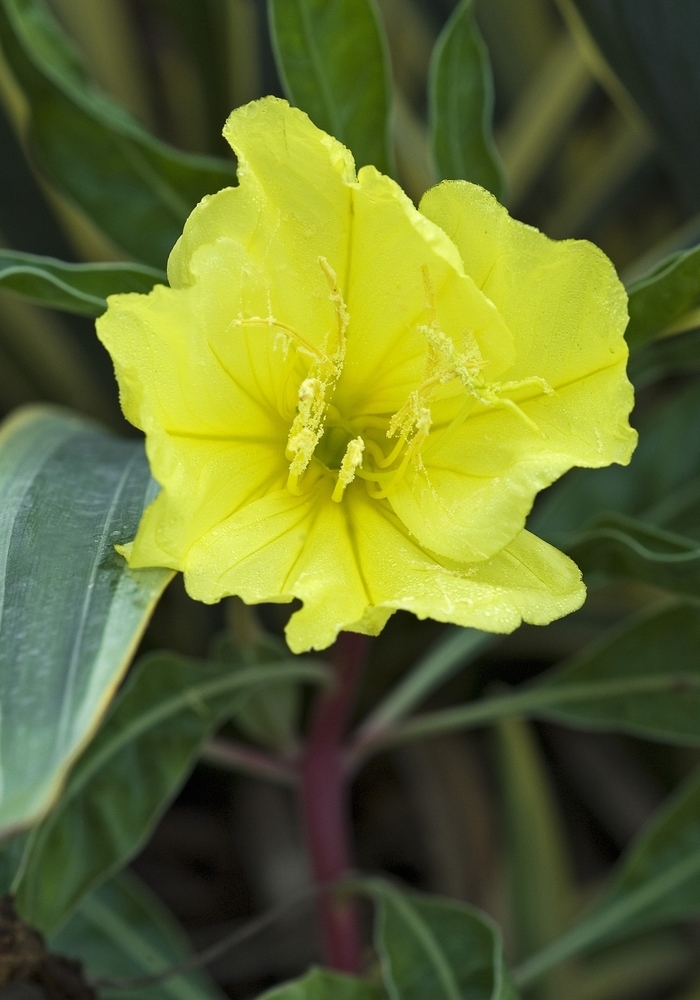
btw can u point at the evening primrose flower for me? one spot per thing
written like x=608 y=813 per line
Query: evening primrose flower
x=353 y=402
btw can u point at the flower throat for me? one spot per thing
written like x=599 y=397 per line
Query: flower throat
x=380 y=448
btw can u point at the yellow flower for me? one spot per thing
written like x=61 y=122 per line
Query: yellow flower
x=353 y=402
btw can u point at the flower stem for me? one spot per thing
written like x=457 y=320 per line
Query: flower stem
x=324 y=802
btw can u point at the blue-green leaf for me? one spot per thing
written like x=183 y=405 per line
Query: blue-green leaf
x=657 y=359
x=71 y=612
x=671 y=839
x=333 y=61
x=461 y=105
x=77 y=288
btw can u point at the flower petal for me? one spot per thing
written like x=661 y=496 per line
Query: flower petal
x=213 y=442
x=279 y=548
x=204 y=482
x=393 y=246
x=562 y=300
x=475 y=492
x=567 y=311
x=353 y=565
x=528 y=580
x=167 y=371
x=292 y=206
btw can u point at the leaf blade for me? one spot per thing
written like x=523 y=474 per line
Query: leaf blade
x=78 y=288
x=321 y=984
x=430 y=946
x=137 y=189
x=71 y=612
x=120 y=787
x=461 y=105
x=662 y=296
x=122 y=930
x=316 y=46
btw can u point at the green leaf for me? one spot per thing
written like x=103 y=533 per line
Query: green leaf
x=119 y=788
x=269 y=714
x=642 y=678
x=671 y=838
x=122 y=930
x=461 y=105
x=138 y=190
x=333 y=62
x=455 y=650
x=652 y=47
x=437 y=948
x=657 y=882
x=78 y=288
x=661 y=485
x=320 y=984
x=12 y=854
x=71 y=612
x=539 y=875
x=620 y=546
x=671 y=289
x=665 y=356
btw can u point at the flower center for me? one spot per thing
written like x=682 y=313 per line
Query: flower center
x=380 y=449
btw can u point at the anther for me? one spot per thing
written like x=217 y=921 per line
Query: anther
x=352 y=460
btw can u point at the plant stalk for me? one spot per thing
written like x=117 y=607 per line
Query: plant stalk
x=325 y=805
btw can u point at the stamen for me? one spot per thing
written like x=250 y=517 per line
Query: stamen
x=412 y=452
x=303 y=343
x=510 y=405
x=307 y=428
x=352 y=460
x=375 y=451
x=342 y=316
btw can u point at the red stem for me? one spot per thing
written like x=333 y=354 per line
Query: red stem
x=325 y=805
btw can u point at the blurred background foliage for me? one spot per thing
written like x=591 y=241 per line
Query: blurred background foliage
x=596 y=123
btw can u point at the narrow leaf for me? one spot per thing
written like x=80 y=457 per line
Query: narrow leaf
x=539 y=873
x=71 y=612
x=144 y=751
x=455 y=650
x=643 y=678
x=672 y=837
x=333 y=62
x=78 y=288
x=657 y=882
x=625 y=547
x=269 y=713
x=138 y=190
x=122 y=931
x=652 y=47
x=12 y=854
x=437 y=948
x=461 y=105
x=663 y=295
